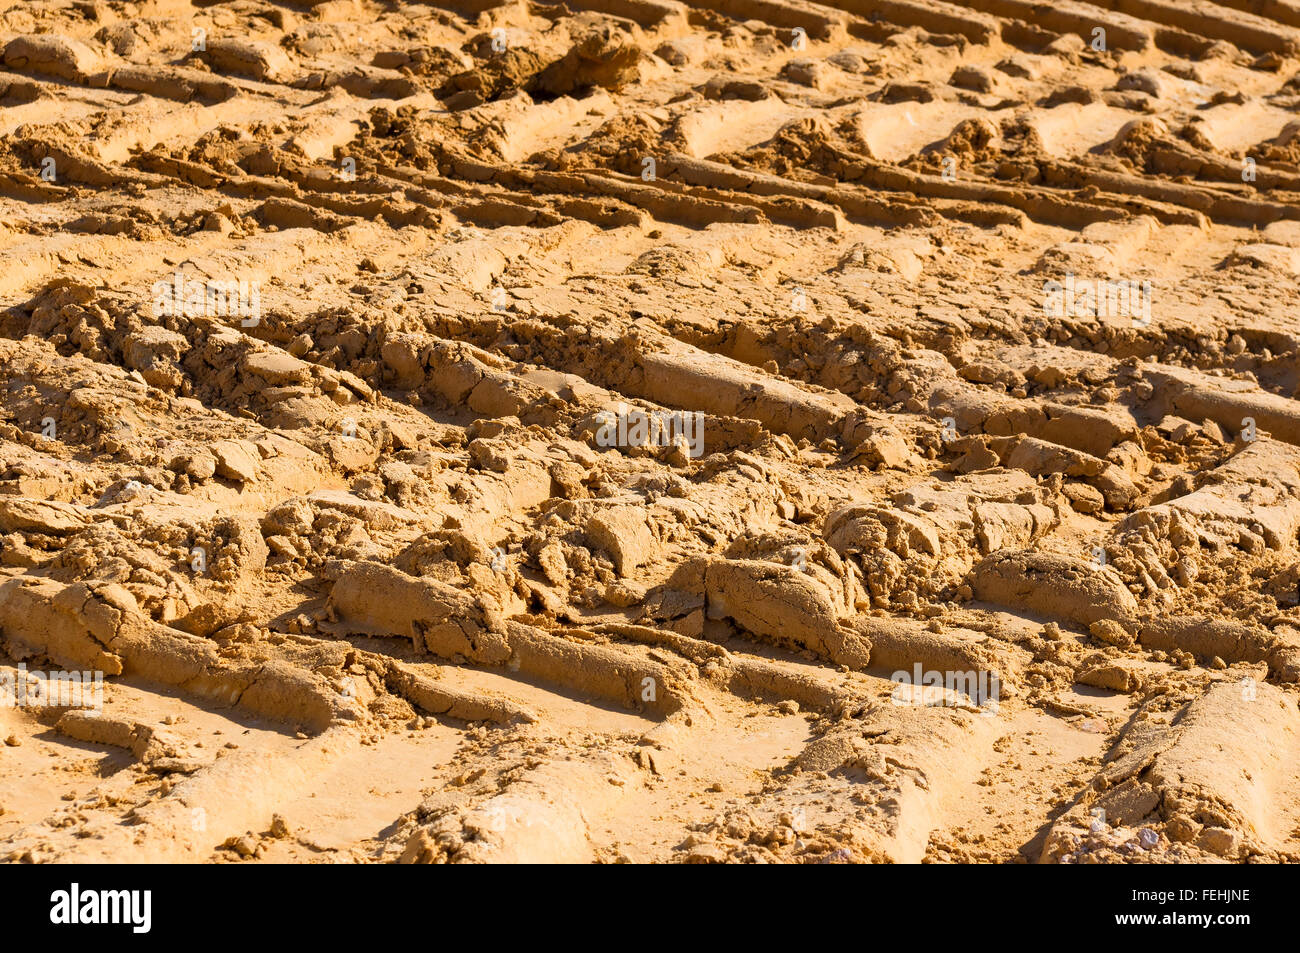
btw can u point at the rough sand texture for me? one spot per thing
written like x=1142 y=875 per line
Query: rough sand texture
x=330 y=333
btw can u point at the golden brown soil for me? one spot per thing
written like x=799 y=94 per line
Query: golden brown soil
x=329 y=333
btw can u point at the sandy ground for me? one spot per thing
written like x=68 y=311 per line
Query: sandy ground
x=635 y=430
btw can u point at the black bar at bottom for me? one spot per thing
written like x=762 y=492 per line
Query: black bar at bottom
x=334 y=904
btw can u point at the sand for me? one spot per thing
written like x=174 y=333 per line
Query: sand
x=646 y=431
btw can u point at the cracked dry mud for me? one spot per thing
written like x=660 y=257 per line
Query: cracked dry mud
x=367 y=584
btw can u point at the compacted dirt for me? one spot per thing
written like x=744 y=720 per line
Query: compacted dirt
x=653 y=431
